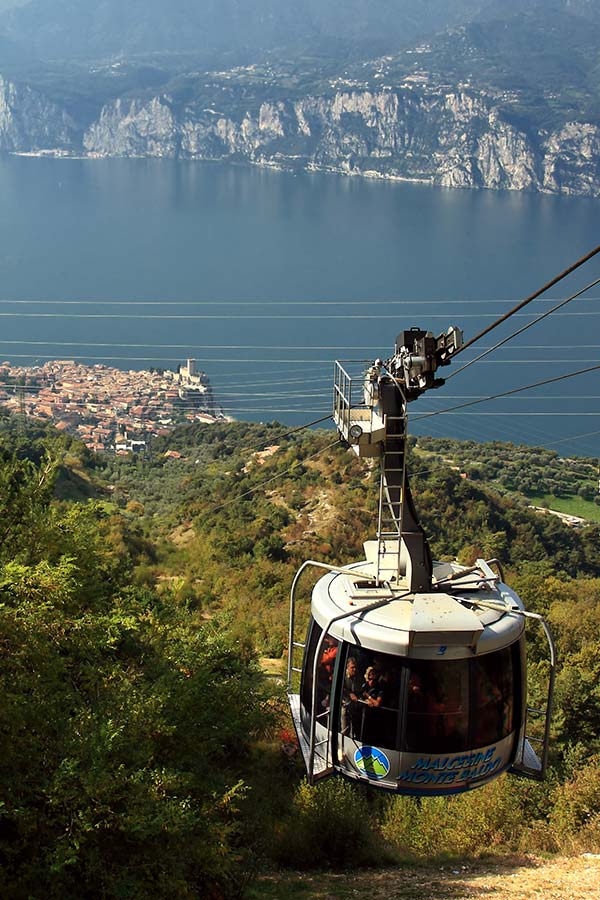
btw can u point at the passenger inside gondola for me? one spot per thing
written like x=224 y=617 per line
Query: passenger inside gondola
x=369 y=708
x=372 y=690
x=351 y=713
x=325 y=674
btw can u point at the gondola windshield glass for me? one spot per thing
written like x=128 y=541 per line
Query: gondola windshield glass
x=448 y=705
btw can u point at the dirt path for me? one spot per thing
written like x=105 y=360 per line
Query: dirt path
x=513 y=878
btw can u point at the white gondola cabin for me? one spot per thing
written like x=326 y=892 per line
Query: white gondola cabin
x=413 y=675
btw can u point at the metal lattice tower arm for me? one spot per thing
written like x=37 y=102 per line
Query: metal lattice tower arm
x=375 y=426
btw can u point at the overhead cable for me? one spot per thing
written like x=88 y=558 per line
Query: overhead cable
x=245 y=346
x=524 y=328
x=157 y=359
x=506 y=393
x=314 y=364
x=404 y=302
x=531 y=297
x=281 y=318
x=188 y=347
x=574 y=437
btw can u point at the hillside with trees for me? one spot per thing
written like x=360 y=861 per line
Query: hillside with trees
x=142 y=741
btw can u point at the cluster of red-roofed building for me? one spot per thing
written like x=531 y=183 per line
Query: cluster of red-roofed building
x=107 y=408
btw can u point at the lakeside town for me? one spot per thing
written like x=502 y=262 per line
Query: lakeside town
x=109 y=409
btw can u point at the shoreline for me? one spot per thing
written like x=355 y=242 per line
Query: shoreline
x=308 y=168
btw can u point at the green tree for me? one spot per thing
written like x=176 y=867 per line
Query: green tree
x=124 y=721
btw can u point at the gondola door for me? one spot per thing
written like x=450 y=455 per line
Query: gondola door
x=317 y=689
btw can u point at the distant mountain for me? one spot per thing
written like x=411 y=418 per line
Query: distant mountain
x=463 y=93
x=9 y=4
x=504 y=9
x=97 y=28
x=93 y=28
x=541 y=63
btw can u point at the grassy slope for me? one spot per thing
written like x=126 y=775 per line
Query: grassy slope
x=572 y=506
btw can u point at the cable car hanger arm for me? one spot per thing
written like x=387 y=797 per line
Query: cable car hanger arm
x=377 y=428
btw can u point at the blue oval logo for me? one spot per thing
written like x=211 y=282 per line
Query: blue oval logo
x=371 y=762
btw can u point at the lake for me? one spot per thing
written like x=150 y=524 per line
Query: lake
x=266 y=278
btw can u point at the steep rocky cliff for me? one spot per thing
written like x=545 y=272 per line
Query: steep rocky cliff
x=456 y=138
x=31 y=123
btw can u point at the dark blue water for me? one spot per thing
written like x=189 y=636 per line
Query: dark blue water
x=265 y=278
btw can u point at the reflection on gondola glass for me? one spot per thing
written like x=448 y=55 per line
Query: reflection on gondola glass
x=492 y=677
x=324 y=671
x=449 y=705
x=455 y=705
x=438 y=704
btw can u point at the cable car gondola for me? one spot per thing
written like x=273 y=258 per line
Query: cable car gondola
x=413 y=676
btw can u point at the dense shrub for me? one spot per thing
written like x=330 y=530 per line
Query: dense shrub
x=330 y=825
x=123 y=733
x=486 y=819
x=575 y=818
x=124 y=721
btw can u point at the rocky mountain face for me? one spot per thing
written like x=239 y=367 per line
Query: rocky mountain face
x=29 y=122
x=504 y=97
x=456 y=139
x=459 y=138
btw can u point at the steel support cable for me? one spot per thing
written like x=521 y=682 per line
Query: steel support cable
x=506 y=393
x=232 y=399
x=505 y=428
x=526 y=397
x=164 y=407
x=217 y=398
x=405 y=302
x=216 y=378
x=515 y=334
x=321 y=363
x=443 y=467
x=189 y=348
x=232 y=410
x=79 y=360
x=573 y=437
x=317 y=364
x=278 y=318
x=230 y=413
x=217 y=317
x=525 y=430
x=532 y=412
x=220 y=376
x=232 y=396
x=222 y=399
x=531 y=297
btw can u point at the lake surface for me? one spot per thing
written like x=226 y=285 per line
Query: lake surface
x=266 y=278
